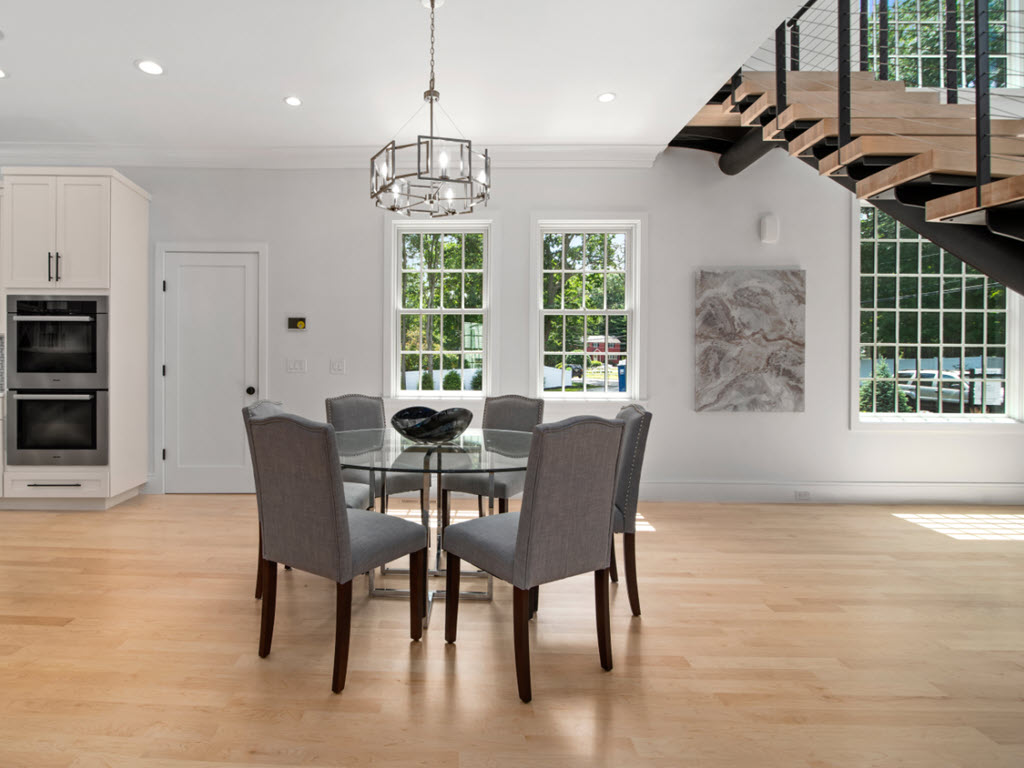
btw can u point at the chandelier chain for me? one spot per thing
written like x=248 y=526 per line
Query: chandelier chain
x=431 y=44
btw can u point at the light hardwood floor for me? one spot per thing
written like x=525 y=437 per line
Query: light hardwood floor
x=772 y=636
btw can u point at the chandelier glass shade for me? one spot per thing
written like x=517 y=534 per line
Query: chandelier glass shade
x=433 y=176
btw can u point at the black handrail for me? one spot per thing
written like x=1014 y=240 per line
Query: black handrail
x=803 y=9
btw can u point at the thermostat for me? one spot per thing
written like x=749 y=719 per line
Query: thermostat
x=296 y=323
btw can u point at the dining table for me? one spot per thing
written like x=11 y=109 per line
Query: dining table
x=382 y=452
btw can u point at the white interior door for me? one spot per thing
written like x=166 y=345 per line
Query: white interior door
x=211 y=348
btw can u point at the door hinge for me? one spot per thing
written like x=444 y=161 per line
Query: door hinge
x=164 y=370
x=165 y=286
x=165 y=454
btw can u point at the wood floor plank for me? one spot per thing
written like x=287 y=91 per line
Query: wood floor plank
x=772 y=636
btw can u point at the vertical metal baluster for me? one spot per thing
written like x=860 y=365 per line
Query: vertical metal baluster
x=865 y=46
x=883 y=39
x=845 y=110
x=983 y=96
x=952 y=63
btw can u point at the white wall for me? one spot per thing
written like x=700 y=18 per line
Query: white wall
x=326 y=245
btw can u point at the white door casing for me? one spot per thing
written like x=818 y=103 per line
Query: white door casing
x=212 y=350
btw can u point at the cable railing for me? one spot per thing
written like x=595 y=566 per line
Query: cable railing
x=967 y=53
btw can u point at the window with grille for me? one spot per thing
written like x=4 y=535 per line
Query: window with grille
x=441 y=311
x=933 y=330
x=916 y=42
x=587 y=277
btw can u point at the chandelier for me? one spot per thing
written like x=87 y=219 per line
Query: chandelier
x=450 y=177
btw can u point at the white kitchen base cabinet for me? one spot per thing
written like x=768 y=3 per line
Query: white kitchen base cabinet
x=38 y=485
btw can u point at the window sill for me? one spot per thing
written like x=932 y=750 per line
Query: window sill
x=937 y=422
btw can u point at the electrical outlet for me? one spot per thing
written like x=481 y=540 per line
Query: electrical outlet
x=802 y=495
x=338 y=366
x=295 y=366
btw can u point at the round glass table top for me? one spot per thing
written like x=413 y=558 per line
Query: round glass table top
x=475 y=450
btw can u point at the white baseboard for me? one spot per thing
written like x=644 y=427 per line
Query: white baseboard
x=67 y=504
x=818 y=492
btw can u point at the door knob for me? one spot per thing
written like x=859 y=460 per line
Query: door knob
x=250 y=390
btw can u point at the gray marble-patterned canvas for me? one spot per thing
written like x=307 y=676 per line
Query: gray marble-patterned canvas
x=750 y=340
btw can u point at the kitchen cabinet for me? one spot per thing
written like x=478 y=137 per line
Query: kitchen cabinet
x=57 y=233
x=98 y=221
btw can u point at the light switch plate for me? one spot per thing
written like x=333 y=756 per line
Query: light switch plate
x=295 y=366
x=338 y=366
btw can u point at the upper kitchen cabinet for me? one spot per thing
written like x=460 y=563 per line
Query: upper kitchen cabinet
x=57 y=227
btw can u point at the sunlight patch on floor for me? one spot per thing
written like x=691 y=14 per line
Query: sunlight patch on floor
x=983 y=527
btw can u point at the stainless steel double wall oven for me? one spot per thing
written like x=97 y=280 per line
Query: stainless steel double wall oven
x=57 y=380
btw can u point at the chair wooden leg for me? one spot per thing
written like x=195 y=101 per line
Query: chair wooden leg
x=269 y=606
x=423 y=500
x=629 y=553
x=446 y=509
x=613 y=567
x=480 y=505
x=502 y=506
x=417 y=592
x=534 y=600
x=259 y=569
x=451 y=598
x=520 y=625
x=343 y=625
x=604 y=624
x=384 y=504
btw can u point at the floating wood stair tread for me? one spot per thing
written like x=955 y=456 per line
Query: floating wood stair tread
x=751 y=88
x=896 y=109
x=905 y=146
x=713 y=116
x=926 y=126
x=935 y=161
x=827 y=102
x=1002 y=192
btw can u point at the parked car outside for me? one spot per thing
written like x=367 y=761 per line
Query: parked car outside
x=923 y=388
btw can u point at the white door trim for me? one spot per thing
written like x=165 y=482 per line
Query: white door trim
x=156 y=474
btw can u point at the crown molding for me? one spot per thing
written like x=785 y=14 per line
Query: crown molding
x=502 y=156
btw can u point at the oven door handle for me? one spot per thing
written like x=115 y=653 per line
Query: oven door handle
x=53 y=397
x=51 y=318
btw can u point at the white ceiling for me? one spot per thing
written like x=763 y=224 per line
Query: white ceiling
x=518 y=76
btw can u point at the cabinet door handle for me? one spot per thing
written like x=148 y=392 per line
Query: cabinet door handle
x=58 y=265
x=54 y=485
x=49 y=266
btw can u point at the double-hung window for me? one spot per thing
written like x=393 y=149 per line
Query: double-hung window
x=440 y=318
x=585 y=344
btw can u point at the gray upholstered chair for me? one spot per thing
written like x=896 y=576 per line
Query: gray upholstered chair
x=357 y=494
x=564 y=528
x=305 y=522
x=513 y=412
x=627 y=486
x=350 y=412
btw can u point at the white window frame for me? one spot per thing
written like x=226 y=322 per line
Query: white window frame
x=935 y=422
x=635 y=227
x=395 y=229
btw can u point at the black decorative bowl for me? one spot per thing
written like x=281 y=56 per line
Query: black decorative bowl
x=425 y=425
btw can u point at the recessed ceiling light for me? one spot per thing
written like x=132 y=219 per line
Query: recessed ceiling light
x=2 y=74
x=149 y=67
x=604 y=98
x=293 y=101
